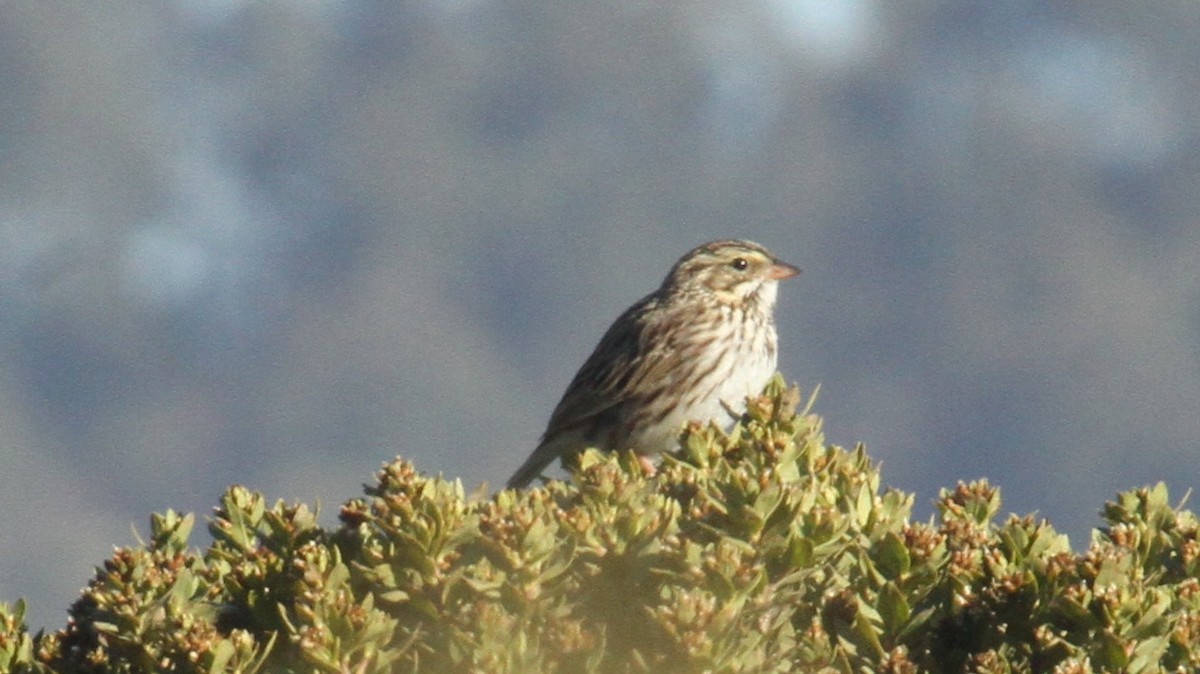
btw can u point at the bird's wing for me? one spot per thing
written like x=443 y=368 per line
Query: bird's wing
x=614 y=373
x=602 y=389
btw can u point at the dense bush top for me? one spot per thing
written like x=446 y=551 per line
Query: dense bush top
x=758 y=550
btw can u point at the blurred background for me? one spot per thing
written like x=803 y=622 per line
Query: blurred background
x=277 y=243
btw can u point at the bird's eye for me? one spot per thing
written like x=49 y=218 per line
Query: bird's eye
x=739 y=263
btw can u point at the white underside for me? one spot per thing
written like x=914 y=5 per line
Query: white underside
x=727 y=400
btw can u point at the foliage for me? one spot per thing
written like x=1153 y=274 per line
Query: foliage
x=758 y=550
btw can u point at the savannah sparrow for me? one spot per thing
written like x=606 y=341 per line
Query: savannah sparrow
x=693 y=349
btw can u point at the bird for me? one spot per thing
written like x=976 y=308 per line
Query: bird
x=693 y=349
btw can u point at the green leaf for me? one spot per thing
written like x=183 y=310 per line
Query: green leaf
x=1110 y=651
x=1147 y=654
x=893 y=608
x=891 y=556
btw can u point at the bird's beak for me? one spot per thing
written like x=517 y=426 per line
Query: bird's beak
x=781 y=270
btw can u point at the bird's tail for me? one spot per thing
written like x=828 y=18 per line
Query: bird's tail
x=532 y=467
x=546 y=452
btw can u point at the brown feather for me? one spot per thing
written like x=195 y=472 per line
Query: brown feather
x=669 y=355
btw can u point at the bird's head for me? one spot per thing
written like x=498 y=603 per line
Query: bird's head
x=734 y=272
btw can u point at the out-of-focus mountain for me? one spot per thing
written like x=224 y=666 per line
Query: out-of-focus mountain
x=277 y=243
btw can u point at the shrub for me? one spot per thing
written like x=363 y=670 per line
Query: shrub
x=763 y=549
